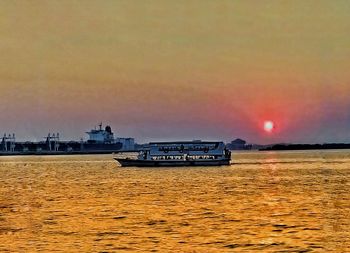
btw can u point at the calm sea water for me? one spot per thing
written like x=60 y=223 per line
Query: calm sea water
x=264 y=202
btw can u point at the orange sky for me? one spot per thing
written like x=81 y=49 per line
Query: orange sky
x=176 y=69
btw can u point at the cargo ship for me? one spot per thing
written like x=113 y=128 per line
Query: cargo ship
x=183 y=153
x=101 y=141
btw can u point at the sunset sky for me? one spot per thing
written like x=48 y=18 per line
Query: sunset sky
x=170 y=70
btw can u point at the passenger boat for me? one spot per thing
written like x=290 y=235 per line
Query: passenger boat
x=190 y=153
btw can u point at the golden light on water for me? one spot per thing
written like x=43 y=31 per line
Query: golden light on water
x=264 y=202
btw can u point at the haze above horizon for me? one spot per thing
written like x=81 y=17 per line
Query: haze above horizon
x=177 y=69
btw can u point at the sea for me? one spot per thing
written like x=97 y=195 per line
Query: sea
x=279 y=201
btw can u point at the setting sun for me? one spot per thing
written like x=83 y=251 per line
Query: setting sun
x=268 y=126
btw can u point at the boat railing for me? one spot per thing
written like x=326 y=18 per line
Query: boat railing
x=125 y=155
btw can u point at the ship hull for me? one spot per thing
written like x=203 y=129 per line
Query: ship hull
x=147 y=163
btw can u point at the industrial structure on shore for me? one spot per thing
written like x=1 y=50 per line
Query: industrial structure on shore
x=100 y=141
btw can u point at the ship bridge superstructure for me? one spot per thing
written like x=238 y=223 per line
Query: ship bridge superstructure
x=105 y=136
x=101 y=135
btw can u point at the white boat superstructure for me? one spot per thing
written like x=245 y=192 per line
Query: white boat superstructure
x=185 y=153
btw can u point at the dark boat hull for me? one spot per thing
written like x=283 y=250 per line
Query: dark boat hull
x=144 y=163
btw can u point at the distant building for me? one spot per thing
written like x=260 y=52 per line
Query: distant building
x=8 y=143
x=238 y=144
x=128 y=143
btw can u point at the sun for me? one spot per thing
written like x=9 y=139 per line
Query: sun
x=268 y=126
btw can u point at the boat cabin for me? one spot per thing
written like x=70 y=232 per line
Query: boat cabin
x=185 y=151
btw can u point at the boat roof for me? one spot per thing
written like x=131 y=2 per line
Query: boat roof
x=184 y=142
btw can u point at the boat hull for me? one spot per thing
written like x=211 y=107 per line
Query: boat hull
x=148 y=163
